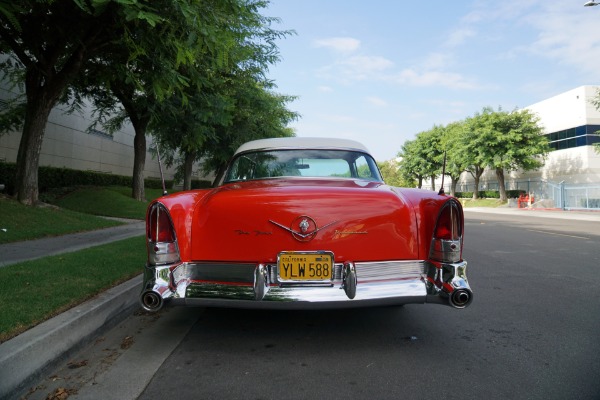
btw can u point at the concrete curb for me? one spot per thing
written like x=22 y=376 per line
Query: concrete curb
x=25 y=358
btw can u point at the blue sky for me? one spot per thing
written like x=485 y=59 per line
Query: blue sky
x=382 y=71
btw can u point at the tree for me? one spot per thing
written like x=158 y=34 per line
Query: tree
x=431 y=143
x=456 y=163
x=411 y=163
x=517 y=143
x=46 y=44
x=258 y=113
x=182 y=131
x=474 y=150
x=423 y=157
x=392 y=176
x=233 y=102
x=175 y=64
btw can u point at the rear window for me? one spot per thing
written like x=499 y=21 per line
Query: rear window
x=302 y=163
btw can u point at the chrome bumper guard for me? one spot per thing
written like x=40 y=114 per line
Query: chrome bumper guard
x=358 y=284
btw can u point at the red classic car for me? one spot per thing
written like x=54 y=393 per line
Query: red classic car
x=304 y=223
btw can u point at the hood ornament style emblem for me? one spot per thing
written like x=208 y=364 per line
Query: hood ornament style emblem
x=304 y=225
x=307 y=228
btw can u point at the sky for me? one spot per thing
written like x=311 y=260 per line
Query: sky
x=381 y=71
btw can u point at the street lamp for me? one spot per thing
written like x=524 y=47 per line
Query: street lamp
x=591 y=3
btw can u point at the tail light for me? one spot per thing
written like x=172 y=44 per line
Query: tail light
x=446 y=244
x=162 y=242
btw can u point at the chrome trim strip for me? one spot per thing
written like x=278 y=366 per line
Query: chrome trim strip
x=250 y=285
x=369 y=271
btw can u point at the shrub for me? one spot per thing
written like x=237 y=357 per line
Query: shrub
x=490 y=194
x=52 y=177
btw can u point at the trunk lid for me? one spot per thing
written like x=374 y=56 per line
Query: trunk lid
x=254 y=221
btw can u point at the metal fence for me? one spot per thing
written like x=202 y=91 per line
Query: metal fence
x=550 y=194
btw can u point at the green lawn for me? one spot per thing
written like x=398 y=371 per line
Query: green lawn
x=37 y=290
x=71 y=211
x=19 y=222
x=112 y=201
x=482 y=203
x=34 y=291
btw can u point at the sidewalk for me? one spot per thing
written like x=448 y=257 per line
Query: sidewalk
x=29 y=356
x=12 y=253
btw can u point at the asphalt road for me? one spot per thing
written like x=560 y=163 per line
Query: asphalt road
x=532 y=332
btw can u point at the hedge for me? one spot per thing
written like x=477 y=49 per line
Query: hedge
x=490 y=194
x=52 y=177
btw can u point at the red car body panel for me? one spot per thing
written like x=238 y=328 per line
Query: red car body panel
x=239 y=226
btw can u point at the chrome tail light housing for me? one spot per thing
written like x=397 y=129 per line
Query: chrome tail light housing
x=447 y=240
x=161 y=238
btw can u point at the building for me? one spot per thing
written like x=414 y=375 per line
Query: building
x=69 y=143
x=570 y=122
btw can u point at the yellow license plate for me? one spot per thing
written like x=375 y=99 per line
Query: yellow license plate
x=295 y=266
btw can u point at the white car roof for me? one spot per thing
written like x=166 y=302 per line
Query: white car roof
x=302 y=143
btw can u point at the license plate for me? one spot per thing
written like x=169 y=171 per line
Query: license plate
x=302 y=267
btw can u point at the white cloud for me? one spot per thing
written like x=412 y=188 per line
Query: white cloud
x=569 y=38
x=376 y=101
x=325 y=89
x=459 y=36
x=365 y=66
x=339 y=44
x=452 y=80
x=355 y=68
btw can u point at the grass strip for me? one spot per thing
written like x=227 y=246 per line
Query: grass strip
x=482 y=203
x=37 y=290
x=19 y=222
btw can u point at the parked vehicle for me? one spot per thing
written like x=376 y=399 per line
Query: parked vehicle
x=304 y=223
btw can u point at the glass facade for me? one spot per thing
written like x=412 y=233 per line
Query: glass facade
x=584 y=135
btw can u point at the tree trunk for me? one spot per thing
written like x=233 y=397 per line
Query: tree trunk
x=453 y=184
x=476 y=177
x=28 y=156
x=187 y=170
x=41 y=97
x=433 y=183
x=476 y=188
x=501 y=185
x=420 y=182
x=139 y=161
x=220 y=172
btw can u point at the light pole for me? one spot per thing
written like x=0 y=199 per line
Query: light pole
x=591 y=3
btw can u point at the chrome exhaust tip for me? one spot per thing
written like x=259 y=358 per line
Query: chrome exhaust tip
x=151 y=301
x=349 y=280
x=461 y=298
x=261 y=282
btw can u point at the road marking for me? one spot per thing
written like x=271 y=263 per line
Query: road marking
x=559 y=234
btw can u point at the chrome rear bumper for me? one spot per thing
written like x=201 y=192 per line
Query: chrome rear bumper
x=357 y=284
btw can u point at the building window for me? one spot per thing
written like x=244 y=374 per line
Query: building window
x=574 y=137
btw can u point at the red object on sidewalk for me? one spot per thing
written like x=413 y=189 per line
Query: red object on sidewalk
x=525 y=201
